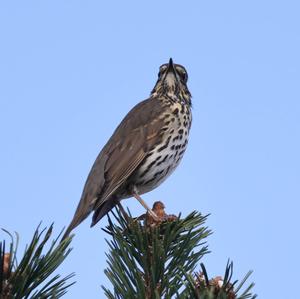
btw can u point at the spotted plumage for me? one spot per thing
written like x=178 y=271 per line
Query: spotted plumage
x=163 y=159
x=144 y=149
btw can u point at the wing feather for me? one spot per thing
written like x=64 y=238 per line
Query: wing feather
x=139 y=131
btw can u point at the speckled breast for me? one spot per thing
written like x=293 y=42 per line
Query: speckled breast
x=165 y=157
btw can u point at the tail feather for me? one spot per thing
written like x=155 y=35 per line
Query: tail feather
x=106 y=207
x=82 y=213
x=75 y=222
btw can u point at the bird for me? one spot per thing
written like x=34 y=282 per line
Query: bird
x=144 y=149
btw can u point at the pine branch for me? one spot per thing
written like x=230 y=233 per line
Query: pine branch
x=144 y=258
x=30 y=278
x=154 y=260
x=199 y=286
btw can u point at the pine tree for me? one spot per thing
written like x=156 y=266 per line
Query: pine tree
x=154 y=260
x=33 y=277
x=147 y=259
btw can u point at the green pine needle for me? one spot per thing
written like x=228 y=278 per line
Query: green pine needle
x=30 y=278
x=143 y=261
x=199 y=286
x=158 y=261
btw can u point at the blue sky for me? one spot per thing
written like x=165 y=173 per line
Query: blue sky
x=69 y=72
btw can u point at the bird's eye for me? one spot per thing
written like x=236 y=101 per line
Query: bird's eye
x=184 y=76
x=163 y=68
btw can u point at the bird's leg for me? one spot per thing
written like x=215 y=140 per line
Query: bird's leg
x=142 y=202
x=122 y=210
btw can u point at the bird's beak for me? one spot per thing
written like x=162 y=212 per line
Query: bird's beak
x=171 y=68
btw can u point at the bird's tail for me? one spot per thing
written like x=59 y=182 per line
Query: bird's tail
x=83 y=210
x=68 y=231
x=81 y=214
x=104 y=208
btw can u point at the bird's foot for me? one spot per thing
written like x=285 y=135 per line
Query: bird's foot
x=143 y=203
x=161 y=216
x=152 y=214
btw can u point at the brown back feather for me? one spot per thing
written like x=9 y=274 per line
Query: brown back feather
x=138 y=132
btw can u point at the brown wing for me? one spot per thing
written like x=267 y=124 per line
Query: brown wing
x=129 y=145
x=125 y=150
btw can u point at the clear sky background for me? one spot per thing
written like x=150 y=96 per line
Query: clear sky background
x=69 y=72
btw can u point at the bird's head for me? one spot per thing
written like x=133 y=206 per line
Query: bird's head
x=172 y=82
